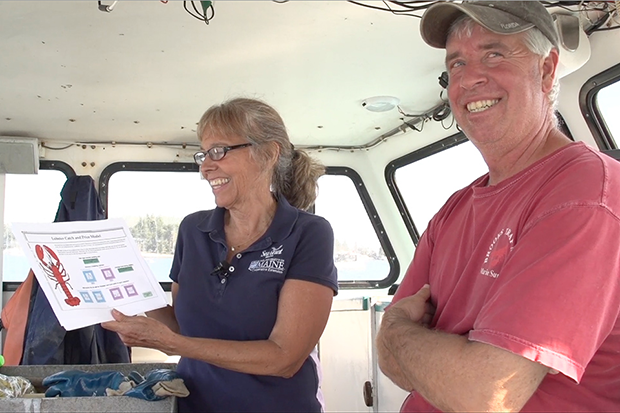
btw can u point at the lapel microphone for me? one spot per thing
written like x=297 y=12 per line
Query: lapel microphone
x=221 y=269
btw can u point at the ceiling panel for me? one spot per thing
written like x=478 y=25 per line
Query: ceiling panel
x=147 y=70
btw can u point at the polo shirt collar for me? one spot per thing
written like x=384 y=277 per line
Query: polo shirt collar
x=282 y=225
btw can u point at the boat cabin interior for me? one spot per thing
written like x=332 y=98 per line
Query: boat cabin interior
x=114 y=90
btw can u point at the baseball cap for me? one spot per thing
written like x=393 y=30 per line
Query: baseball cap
x=503 y=17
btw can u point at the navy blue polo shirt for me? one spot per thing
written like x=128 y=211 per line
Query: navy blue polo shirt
x=243 y=305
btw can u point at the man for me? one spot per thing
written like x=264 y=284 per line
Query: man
x=511 y=302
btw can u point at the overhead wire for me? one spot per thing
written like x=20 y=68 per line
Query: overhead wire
x=442 y=111
x=452 y=120
x=197 y=14
x=609 y=8
x=398 y=8
x=44 y=145
x=408 y=8
x=613 y=14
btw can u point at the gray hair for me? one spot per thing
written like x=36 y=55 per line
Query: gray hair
x=534 y=40
x=295 y=173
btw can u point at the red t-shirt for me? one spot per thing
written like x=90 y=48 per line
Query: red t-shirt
x=532 y=265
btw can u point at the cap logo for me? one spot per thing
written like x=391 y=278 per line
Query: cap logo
x=509 y=25
x=502 y=17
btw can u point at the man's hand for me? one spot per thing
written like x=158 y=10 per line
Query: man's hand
x=448 y=370
x=416 y=308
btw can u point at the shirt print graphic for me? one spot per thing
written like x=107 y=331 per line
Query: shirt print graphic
x=269 y=261
x=502 y=244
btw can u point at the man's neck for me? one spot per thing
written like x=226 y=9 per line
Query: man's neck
x=504 y=162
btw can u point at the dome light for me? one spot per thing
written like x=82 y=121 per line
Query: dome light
x=380 y=103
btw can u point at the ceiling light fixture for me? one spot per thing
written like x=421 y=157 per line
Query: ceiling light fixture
x=380 y=103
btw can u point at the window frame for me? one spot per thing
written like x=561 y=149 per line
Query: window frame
x=432 y=149
x=377 y=225
x=589 y=108
x=392 y=167
x=65 y=168
x=108 y=171
x=330 y=170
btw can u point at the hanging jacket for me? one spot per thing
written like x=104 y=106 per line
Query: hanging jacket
x=44 y=341
x=14 y=319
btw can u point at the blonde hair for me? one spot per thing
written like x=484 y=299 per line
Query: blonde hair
x=295 y=173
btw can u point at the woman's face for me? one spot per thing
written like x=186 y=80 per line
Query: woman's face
x=237 y=179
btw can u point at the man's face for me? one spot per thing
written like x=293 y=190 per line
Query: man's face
x=497 y=87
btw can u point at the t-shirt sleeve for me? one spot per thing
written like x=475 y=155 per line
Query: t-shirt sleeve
x=420 y=268
x=178 y=253
x=559 y=293
x=417 y=272
x=314 y=255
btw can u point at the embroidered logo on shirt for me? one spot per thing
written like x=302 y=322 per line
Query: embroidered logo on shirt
x=502 y=244
x=268 y=262
x=273 y=251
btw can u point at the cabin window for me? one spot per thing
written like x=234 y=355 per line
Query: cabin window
x=154 y=217
x=153 y=203
x=424 y=180
x=608 y=103
x=28 y=198
x=362 y=252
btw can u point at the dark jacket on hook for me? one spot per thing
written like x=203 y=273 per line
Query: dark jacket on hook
x=45 y=341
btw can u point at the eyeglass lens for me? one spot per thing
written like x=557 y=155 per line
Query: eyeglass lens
x=216 y=153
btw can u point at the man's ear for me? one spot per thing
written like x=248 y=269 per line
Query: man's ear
x=549 y=69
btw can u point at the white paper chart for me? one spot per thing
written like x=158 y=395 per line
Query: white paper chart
x=87 y=268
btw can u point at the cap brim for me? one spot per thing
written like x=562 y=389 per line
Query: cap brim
x=439 y=17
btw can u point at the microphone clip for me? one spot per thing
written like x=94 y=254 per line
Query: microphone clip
x=221 y=269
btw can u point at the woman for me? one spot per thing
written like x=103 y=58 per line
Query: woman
x=253 y=279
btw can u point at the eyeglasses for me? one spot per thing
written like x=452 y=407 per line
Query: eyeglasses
x=216 y=153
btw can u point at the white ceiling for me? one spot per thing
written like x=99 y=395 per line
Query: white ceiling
x=148 y=70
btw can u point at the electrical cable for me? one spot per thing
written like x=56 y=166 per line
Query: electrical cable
x=43 y=145
x=596 y=26
x=106 y=8
x=441 y=113
x=610 y=8
x=204 y=15
x=442 y=97
x=412 y=126
x=612 y=13
x=607 y=29
x=451 y=123
x=560 y=5
x=404 y=12
x=423 y=5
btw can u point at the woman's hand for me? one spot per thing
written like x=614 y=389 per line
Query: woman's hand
x=140 y=331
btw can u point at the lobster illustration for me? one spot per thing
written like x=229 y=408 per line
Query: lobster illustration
x=56 y=271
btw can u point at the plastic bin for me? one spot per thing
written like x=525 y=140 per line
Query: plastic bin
x=84 y=404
